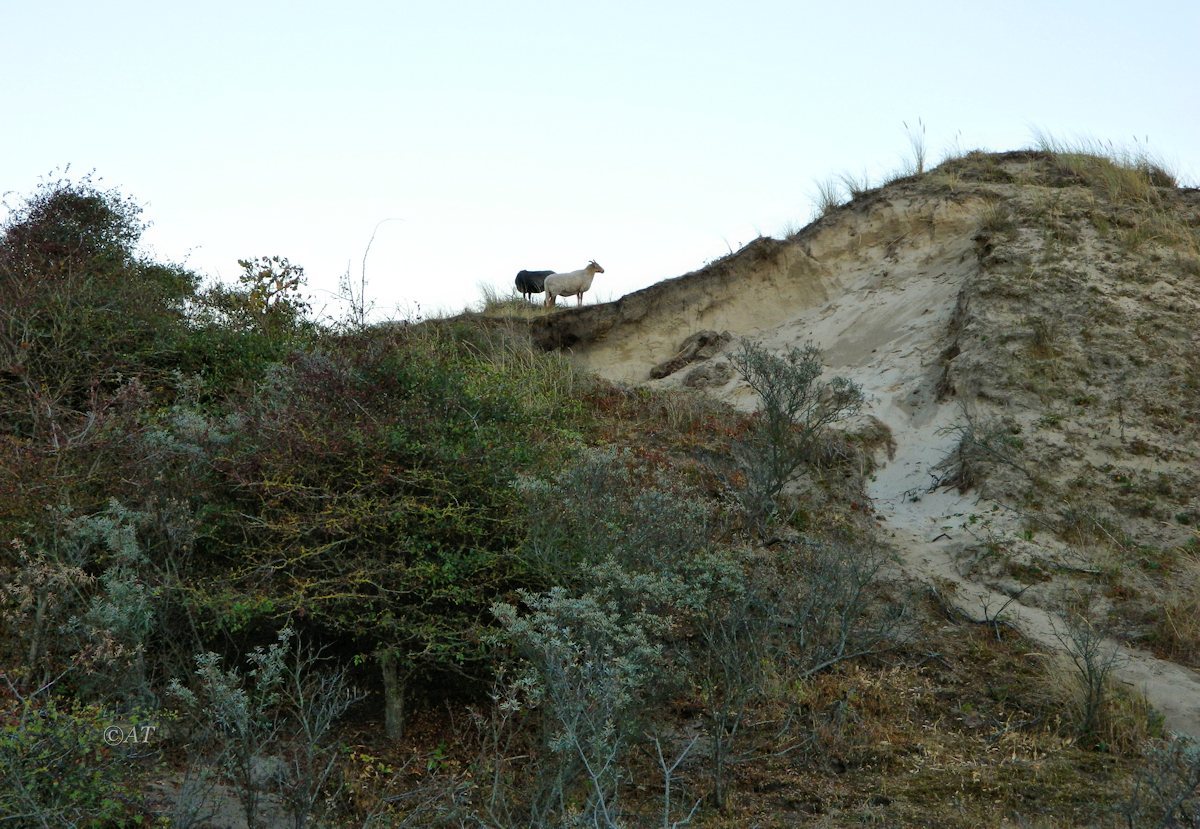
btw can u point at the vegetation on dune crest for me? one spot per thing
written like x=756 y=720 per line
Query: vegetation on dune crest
x=516 y=595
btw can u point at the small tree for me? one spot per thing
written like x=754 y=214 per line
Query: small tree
x=81 y=312
x=381 y=471
x=735 y=637
x=272 y=285
x=796 y=410
x=1094 y=659
x=633 y=548
x=798 y=611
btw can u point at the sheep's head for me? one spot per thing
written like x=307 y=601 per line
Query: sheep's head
x=593 y=266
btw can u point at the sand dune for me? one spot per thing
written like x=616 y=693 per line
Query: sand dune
x=895 y=289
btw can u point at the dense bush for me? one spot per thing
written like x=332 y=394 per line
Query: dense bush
x=189 y=470
x=1167 y=793
x=369 y=493
x=608 y=505
x=76 y=608
x=81 y=312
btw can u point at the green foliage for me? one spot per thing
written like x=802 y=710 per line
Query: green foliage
x=56 y=770
x=825 y=595
x=594 y=667
x=239 y=331
x=60 y=620
x=66 y=223
x=796 y=409
x=272 y=287
x=606 y=505
x=39 y=595
x=283 y=709
x=378 y=475
x=1124 y=175
x=81 y=312
x=241 y=714
x=1167 y=792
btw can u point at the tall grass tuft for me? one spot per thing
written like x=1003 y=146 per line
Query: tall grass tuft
x=1178 y=630
x=916 y=143
x=542 y=382
x=828 y=197
x=856 y=186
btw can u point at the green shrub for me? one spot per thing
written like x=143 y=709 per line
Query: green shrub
x=595 y=666
x=796 y=409
x=56 y=769
x=76 y=608
x=1167 y=792
x=240 y=714
x=275 y=717
x=604 y=505
x=636 y=571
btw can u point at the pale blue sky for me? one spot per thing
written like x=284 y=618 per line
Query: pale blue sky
x=649 y=136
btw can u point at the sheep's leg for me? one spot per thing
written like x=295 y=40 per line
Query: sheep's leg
x=579 y=299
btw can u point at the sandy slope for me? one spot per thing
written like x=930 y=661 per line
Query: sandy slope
x=876 y=288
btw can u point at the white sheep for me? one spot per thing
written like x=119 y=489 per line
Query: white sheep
x=571 y=284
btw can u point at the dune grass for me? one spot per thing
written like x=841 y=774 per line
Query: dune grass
x=1130 y=178
x=493 y=303
x=1125 y=174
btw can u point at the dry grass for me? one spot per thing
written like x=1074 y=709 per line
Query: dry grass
x=1178 y=631
x=828 y=196
x=1159 y=226
x=1126 y=175
x=918 y=146
x=996 y=219
x=1123 y=725
x=856 y=186
x=1046 y=334
x=959 y=737
x=493 y=303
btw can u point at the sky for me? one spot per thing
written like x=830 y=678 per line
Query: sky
x=650 y=136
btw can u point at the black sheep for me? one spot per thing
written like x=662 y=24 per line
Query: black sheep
x=532 y=282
